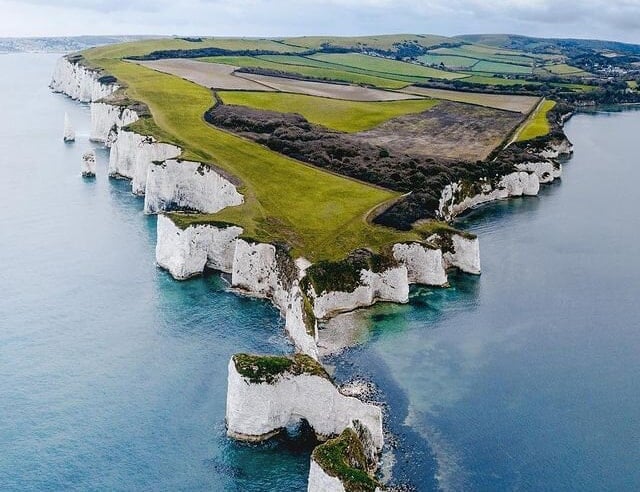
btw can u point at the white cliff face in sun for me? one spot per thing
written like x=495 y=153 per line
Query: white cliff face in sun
x=132 y=155
x=258 y=410
x=390 y=285
x=186 y=185
x=106 y=118
x=424 y=265
x=79 y=82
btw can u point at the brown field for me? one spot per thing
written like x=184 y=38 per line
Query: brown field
x=211 y=75
x=520 y=104
x=325 y=89
x=450 y=131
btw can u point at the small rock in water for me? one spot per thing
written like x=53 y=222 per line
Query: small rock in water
x=69 y=133
x=89 y=164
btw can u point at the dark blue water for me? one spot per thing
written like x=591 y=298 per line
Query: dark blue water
x=528 y=378
x=112 y=375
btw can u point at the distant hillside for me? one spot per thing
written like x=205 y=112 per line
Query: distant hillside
x=565 y=46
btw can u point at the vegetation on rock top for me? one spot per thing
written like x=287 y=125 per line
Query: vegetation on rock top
x=344 y=458
x=269 y=368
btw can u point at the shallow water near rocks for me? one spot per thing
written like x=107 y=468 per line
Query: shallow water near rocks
x=113 y=375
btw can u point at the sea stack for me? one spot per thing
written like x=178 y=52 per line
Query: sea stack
x=89 y=164
x=69 y=133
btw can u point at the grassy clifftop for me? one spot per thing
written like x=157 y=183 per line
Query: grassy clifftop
x=321 y=215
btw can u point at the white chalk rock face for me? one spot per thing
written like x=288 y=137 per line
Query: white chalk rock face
x=465 y=255
x=186 y=252
x=88 y=166
x=390 y=285
x=69 y=134
x=546 y=171
x=132 y=155
x=320 y=481
x=79 y=82
x=256 y=270
x=452 y=203
x=296 y=325
x=562 y=148
x=521 y=183
x=106 y=118
x=424 y=265
x=186 y=185
x=256 y=411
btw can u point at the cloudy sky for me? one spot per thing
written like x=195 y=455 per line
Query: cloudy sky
x=604 y=19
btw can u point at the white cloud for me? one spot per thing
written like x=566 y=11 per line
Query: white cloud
x=613 y=19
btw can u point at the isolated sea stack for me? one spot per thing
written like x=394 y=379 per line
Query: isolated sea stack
x=89 y=164
x=69 y=132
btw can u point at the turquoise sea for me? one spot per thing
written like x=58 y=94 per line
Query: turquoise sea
x=113 y=375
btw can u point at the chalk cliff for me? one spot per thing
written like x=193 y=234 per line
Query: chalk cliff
x=268 y=394
x=79 y=82
x=456 y=198
x=107 y=118
x=185 y=185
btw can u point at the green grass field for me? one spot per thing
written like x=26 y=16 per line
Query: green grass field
x=486 y=80
x=321 y=215
x=537 y=125
x=450 y=61
x=499 y=68
x=345 y=116
x=384 y=65
x=564 y=69
x=498 y=56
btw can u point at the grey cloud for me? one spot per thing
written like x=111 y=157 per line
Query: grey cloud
x=615 y=19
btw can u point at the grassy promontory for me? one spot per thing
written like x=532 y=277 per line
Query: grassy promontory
x=320 y=215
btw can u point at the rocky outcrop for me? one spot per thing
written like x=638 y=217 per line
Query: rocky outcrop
x=88 y=167
x=424 y=265
x=257 y=269
x=132 y=156
x=186 y=252
x=79 y=82
x=68 y=134
x=456 y=198
x=268 y=394
x=391 y=285
x=546 y=171
x=108 y=119
x=464 y=254
x=321 y=481
x=184 y=185
x=556 y=149
x=345 y=463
